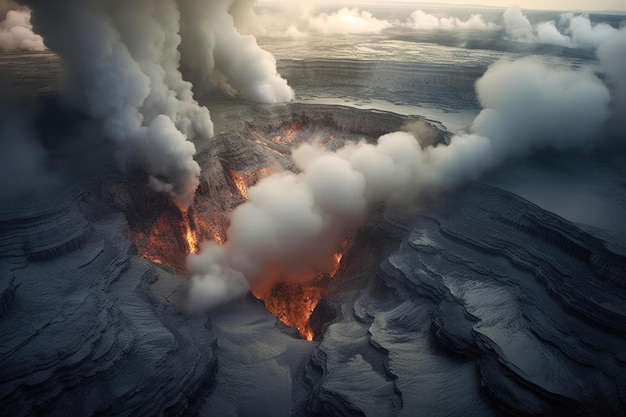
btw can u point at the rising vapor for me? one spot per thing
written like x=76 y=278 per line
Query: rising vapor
x=426 y=21
x=292 y=222
x=122 y=64
x=16 y=30
x=216 y=55
x=347 y=21
x=297 y=20
x=572 y=31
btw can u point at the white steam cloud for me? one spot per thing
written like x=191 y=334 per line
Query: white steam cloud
x=297 y=20
x=347 y=21
x=572 y=31
x=425 y=21
x=16 y=31
x=292 y=222
x=122 y=63
x=217 y=55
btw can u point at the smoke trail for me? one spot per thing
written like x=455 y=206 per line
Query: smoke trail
x=16 y=31
x=216 y=55
x=292 y=222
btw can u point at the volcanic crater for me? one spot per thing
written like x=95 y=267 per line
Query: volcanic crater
x=257 y=141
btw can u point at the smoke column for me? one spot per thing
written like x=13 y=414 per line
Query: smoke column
x=16 y=31
x=122 y=64
x=216 y=55
x=292 y=222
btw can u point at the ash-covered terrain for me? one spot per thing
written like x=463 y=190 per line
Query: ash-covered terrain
x=423 y=217
x=481 y=304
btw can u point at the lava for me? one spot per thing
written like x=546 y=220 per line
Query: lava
x=193 y=245
x=289 y=135
x=269 y=148
x=240 y=183
x=336 y=263
x=294 y=303
x=174 y=235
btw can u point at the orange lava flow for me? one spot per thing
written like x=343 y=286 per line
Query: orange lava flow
x=290 y=134
x=240 y=182
x=294 y=303
x=173 y=236
x=193 y=244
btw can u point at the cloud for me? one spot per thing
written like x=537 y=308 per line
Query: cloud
x=123 y=62
x=584 y=34
x=301 y=20
x=293 y=222
x=425 y=21
x=213 y=44
x=576 y=31
x=347 y=21
x=16 y=32
x=517 y=25
x=528 y=106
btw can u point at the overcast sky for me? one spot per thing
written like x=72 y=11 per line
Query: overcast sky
x=617 y=5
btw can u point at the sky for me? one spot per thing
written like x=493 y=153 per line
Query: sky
x=569 y=5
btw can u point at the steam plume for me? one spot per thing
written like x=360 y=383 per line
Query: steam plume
x=16 y=31
x=123 y=68
x=426 y=21
x=345 y=21
x=576 y=31
x=217 y=55
x=292 y=222
x=301 y=19
x=122 y=63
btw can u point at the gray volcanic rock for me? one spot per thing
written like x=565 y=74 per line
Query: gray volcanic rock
x=84 y=329
x=483 y=306
x=491 y=304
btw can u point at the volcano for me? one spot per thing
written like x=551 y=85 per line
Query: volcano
x=164 y=235
x=482 y=294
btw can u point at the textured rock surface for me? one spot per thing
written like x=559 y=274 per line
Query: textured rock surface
x=483 y=305
x=490 y=305
x=86 y=328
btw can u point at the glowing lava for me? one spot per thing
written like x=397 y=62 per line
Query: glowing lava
x=193 y=245
x=294 y=303
x=173 y=236
x=240 y=183
x=289 y=135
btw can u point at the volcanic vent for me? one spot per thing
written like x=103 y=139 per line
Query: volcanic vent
x=258 y=143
